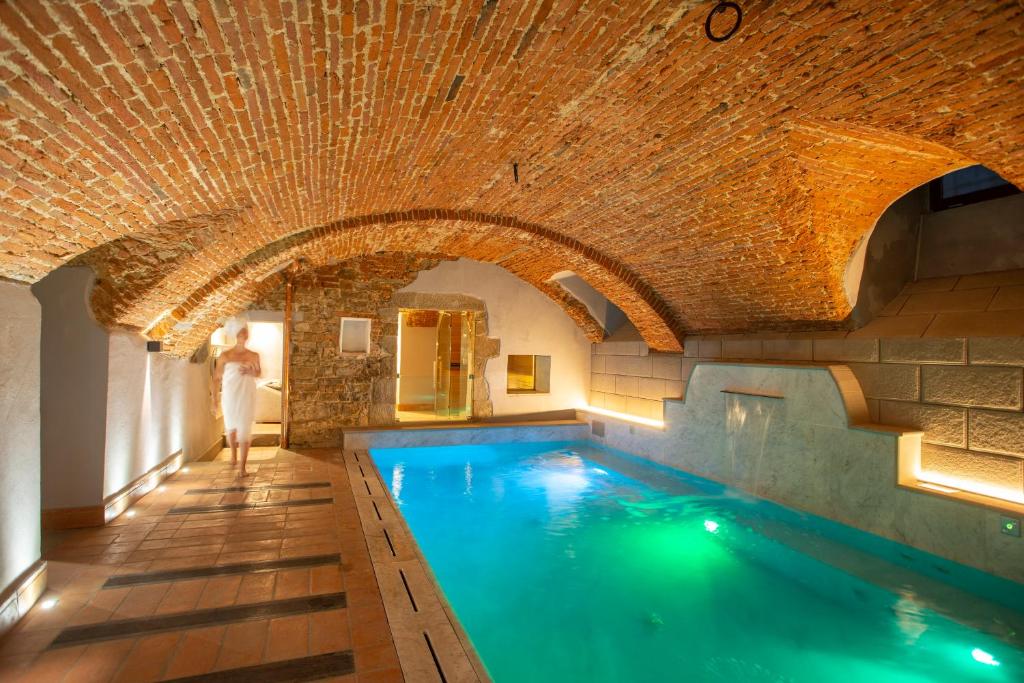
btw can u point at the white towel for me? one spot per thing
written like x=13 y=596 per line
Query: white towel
x=238 y=401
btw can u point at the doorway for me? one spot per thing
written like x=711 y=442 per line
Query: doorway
x=435 y=365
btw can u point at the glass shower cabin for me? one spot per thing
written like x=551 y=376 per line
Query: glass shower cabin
x=435 y=365
x=453 y=366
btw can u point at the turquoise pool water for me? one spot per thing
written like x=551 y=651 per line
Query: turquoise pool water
x=570 y=562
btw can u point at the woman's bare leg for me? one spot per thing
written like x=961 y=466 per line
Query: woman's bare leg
x=233 y=442
x=245 y=456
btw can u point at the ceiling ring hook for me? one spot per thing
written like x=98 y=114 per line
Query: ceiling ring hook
x=718 y=9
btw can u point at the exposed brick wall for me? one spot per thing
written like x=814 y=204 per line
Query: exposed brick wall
x=712 y=187
x=964 y=390
x=330 y=390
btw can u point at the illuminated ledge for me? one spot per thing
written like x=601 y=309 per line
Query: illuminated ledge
x=117 y=503
x=55 y=519
x=757 y=393
x=1006 y=507
x=17 y=600
x=625 y=417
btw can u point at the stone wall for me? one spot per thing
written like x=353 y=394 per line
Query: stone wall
x=964 y=391
x=782 y=432
x=330 y=390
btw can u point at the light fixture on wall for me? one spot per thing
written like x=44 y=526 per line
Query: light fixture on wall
x=154 y=346
x=515 y=171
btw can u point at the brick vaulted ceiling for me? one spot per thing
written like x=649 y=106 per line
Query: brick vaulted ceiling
x=188 y=149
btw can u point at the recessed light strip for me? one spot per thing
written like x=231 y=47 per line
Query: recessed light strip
x=645 y=421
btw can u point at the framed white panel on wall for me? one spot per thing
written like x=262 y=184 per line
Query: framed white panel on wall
x=354 y=338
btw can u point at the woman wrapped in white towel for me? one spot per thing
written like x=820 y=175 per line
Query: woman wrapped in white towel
x=237 y=369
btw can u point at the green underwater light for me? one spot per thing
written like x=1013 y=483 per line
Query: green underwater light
x=984 y=657
x=711 y=526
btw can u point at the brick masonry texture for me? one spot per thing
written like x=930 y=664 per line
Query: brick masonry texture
x=331 y=390
x=186 y=149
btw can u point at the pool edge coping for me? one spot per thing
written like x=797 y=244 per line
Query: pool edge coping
x=392 y=547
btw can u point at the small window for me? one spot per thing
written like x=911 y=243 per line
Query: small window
x=529 y=374
x=968 y=186
x=355 y=335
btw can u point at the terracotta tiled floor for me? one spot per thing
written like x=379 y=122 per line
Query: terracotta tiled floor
x=152 y=538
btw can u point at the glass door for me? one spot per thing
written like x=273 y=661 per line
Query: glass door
x=468 y=334
x=442 y=365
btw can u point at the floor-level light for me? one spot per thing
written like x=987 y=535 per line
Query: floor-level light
x=984 y=657
x=48 y=603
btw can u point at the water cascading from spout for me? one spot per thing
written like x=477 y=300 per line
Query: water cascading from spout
x=747 y=421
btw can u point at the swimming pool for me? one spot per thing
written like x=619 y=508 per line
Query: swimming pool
x=572 y=562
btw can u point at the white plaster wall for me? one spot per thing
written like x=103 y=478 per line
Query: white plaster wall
x=526 y=322
x=73 y=389
x=267 y=339
x=156 y=406
x=20 y=323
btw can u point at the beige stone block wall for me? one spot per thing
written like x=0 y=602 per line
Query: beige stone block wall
x=965 y=393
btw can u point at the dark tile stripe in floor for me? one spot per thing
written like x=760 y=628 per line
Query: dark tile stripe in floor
x=220 y=570
x=129 y=628
x=228 y=507
x=268 y=487
x=291 y=670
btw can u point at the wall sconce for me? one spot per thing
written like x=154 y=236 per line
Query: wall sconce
x=154 y=346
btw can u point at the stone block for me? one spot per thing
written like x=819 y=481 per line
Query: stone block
x=932 y=284
x=907 y=350
x=946 y=302
x=710 y=347
x=996 y=351
x=615 y=402
x=1008 y=299
x=997 y=279
x=597 y=363
x=997 y=432
x=626 y=385
x=602 y=382
x=862 y=350
x=597 y=399
x=788 y=349
x=894 y=326
x=965 y=467
x=943 y=425
x=894 y=382
x=642 y=407
x=894 y=306
x=674 y=388
x=666 y=366
x=620 y=348
x=651 y=388
x=973 y=386
x=633 y=366
x=977 y=324
x=691 y=347
x=741 y=348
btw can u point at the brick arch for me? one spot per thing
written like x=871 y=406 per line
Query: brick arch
x=527 y=250
x=840 y=181
x=689 y=161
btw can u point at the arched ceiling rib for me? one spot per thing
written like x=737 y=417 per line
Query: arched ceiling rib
x=727 y=183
